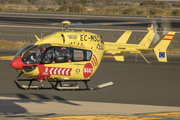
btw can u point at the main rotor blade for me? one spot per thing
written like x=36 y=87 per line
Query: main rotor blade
x=109 y=23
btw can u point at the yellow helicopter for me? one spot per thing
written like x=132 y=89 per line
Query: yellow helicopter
x=68 y=57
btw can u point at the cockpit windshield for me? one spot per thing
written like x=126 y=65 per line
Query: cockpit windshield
x=34 y=54
x=22 y=50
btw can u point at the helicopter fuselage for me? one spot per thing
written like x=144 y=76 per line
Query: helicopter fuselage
x=61 y=56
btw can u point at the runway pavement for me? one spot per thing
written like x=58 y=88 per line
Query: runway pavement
x=138 y=87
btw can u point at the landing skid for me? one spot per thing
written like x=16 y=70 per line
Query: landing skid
x=29 y=86
x=69 y=86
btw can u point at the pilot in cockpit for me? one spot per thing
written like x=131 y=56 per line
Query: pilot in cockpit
x=58 y=56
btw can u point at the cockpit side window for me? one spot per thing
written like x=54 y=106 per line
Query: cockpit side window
x=34 y=54
x=49 y=56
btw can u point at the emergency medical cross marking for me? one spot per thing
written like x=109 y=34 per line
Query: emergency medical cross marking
x=161 y=55
x=58 y=71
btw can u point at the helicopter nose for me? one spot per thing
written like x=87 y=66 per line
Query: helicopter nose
x=17 y=63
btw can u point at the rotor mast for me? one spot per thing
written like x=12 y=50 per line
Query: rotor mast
x=66 y=25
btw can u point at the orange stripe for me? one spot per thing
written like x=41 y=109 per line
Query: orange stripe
x=96 y=59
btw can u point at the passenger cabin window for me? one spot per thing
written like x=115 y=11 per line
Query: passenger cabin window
x=81 y=55
x=78 y=55
x=63 y=55
x=56 y=54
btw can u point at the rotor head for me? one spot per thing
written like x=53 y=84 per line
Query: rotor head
x=65 y=23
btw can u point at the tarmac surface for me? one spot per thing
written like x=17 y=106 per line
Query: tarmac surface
x=138 y=87
x=136 y=82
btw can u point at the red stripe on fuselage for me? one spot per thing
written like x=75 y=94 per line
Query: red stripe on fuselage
x=166 y=39
x=169 y=35
x=96 y=59
x=48 y=71
x=92 y=62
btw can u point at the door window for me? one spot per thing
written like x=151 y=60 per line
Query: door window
x=48 y=57
x=61 y=55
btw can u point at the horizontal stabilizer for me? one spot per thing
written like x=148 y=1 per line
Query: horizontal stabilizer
x=119 y=57
x=124 y=38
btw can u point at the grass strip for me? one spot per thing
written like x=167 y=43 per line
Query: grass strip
x=13 y=45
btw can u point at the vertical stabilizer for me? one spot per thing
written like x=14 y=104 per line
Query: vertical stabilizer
x=146 y=41
x=160 y=49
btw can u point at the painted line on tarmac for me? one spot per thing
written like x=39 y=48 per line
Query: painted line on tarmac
x=59 y=28
x=6 y=57
x=46 y=15
x=11 y=57
x=77 y=110
x=146 y=116
x=71 y=15
x=108 y=56
x=164 y=114
x=105 y=56
x=98 y=117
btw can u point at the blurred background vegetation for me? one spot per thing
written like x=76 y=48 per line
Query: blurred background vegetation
x=116 y=7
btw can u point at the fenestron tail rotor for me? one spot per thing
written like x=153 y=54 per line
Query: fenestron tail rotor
x=161 y=28
x=166 y=25
x=157 y=36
